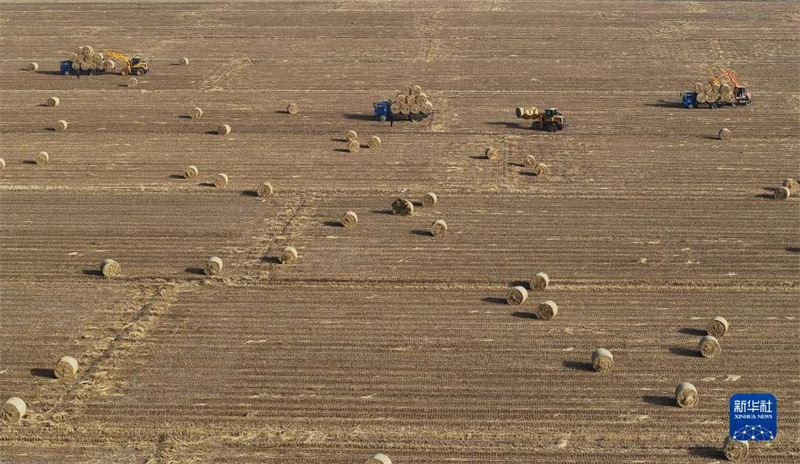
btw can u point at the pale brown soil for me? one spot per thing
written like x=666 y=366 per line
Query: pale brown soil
x=383 y=338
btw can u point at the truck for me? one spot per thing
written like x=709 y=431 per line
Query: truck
x=86 y=61
x=550 y=120
x=716 y=93
x=383 y=112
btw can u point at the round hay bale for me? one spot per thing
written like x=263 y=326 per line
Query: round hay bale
x=698 y=87
x=701 y=98
x=717 y=327
x=781 y=193
x=221 y=180
x=374 y=142
x=546 y=310
x=2 y=164
x=791 y=184
x=265 y=190
x=686 y=395
x=53 y=101
x=351 y=135
x=516 y=295
x=191 y=172
x=292 y=108
x=89 y=50
x=110 y=268
x=602 y=360
x=42 y=158
x=530 y=161
x=439 y=228
x=492 y=153
x=415 y=108
x=540 y=169
x=109 y=65
x=350 y=219
x=33 y=66
x=76 y=66
x=402 y=207
x=399 y=98
x=353 y=146
x=288 y=255
x=66 y=368
x=196 y=113
x=724 y=134
x=406 y=90
x=224 y=129
x=427 y=108
x=183 y=61
x=416 y=90
x=540 y=281
x=395 y=108
x=213 y=266
x=410 y=100
x=133 y=82
x=13 y=410
x=709 y=347
x=61 y=125
x=421 y=99
x=379 y=458
x=429 y=200
x=405 y=108
x=735 y=450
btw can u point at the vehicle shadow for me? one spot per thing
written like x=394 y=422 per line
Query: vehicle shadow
x=665 y=104
x=359 y=117
x=508 y=125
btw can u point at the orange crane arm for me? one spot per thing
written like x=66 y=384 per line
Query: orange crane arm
x=729 y=74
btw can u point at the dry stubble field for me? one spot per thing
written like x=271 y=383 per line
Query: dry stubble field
x=383 y=338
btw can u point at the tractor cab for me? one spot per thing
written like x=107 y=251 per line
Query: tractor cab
x=139 y=65
x=742 y=95
x=383 y=110
x=66 y=67
x=549 y=113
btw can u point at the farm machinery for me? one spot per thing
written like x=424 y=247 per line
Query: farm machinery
x=86 y=61
x=550 y=120
x=715 y=93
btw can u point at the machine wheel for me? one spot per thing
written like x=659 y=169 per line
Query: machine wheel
x=747 y=103
x=124 y=72
x=383 y=118
x=691 y=106
x=92 y=73
x=536 y=125
x=553 y=127
x=139 y=72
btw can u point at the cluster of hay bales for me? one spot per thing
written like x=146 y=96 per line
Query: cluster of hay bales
x=354 y=146
x=788 y=188
x=87 y=59
x=714 y=92
x=411 y=100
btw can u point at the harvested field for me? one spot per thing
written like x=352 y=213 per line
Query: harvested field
x=381 y=338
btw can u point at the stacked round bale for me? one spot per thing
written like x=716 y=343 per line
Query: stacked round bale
x=87 y=59
x=411 y=100
x=713 y=91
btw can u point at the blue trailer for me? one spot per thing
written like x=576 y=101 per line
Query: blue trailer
x=66 y=69
x=741 y=97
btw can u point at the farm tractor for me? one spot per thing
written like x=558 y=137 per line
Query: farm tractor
x=136 y=65
x=550 y=120
x=715 y=93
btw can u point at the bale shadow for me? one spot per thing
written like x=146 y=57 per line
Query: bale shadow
x=360 y=117
x=339 y=140
x=665 y=104
x=184 y=116
x=478 y=157
x=271 y=259
x=771 y=189
x=793 y=249
x=176 y=176
x=524 y=315
x=342 y=150
x=206 y=184
x=659 y=400
x=528 y=173
x=708 y=452
x=709 y=137
x=416 y=203
x=93 y=272
x=28 y=162
x=50 y=129
x=333 y=224
x=249 y=193
x=508 y=125
x=578 y=366
x=692 y=331
x=44 y=373
x=495 y=300
x=518 y=165
x=765 y=196
x=122 y=85
x=42 y=104
x=195 y=270
x=422 y=232
x=383 y=211
x=212 y=132
x=685 y=352
x=521 y=283
x=282 y=112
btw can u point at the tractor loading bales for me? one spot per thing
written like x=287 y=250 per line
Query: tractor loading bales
x=382 y=339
